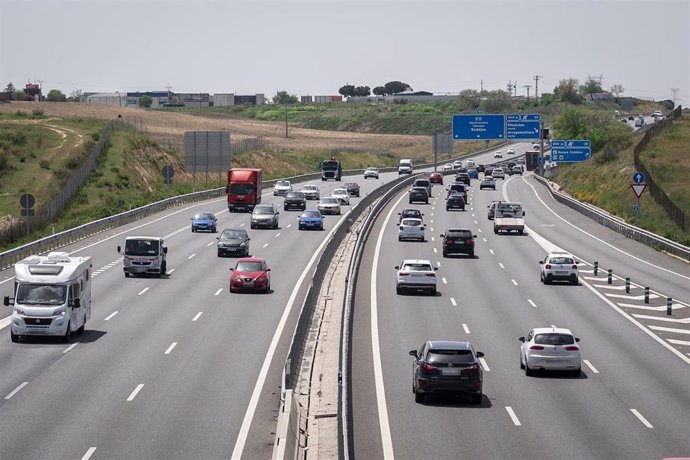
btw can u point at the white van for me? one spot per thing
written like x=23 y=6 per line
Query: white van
x=52 y=296
x=144 y=255
x=405 y=167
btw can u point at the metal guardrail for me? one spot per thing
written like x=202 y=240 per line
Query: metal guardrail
x=638 y=234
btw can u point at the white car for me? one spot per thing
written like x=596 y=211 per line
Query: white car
x=341 y=195
x=498 y=154
x=487 y=182
x=510 y=151
x=470 y=163
x=498 y=173
x=371 y=172
x=536 y=147
x=657 y=113
x=447 y=167
x=550 y=348
x=311 y=192
x=559 y=266
x=329 y=205
x=282 y=187
x=415 y=275
x=411 y=229
x=457 y=164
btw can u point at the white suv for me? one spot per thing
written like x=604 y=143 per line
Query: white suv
x=411 y=229
x=498 y=173
x=416 y=275
x=559 y=266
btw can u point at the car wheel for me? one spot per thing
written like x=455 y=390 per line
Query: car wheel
x=126 y=275
x=81 y=330
x=547 y=280
x=528 y=371
x=220 y=253
x=285 y=208
x=477 y=399
x=418 y=397
x=231 y=290
x=471 y=255
x=398 y=291
x=252 y=226
x=522 y=365
x=68 y=334
x=193 y=230
x=520 y=232
x=447 y=208
x=14 y=337
x=445 y=254
x=432 y=291
x=574 y=282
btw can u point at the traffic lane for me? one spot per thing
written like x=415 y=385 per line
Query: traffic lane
x=625 y=256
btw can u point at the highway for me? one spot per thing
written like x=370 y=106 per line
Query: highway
x=175 y=367
x=632 y=400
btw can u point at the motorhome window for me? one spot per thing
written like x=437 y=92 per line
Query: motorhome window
x=241 y=189
x=41 y=294
x=141 y=247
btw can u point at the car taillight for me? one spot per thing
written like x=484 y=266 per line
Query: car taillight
x=572 y=348
x=447 y=242
x=547 y=266
x=403 y=274
x=536 y=347
x=473 y=369
x=427 y=367
x=433 y=275
x=470 y=242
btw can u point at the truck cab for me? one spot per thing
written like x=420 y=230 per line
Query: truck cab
x=144 y=255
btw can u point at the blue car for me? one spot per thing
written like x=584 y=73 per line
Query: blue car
x=311 y=218
x=473 y=173
x=205 y=222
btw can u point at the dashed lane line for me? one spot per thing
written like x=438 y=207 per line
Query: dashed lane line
x=197 y=316
x=453 y=302
x=531 y=302
x=491 y=251
x=170 y=348
x=591 y=367
x=514 y=282
x=89 y=453
x=135 y=392
x=71 y=347
x=16 y=390
x=501 y=265
x=641 y=418
x=218 y=291
x=192 y=256
x=111 y=316
x=465 y=328
x=444 y=281
x=513 y=417
x=143 y=290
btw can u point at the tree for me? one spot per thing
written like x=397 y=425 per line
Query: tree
x=10 y=88
x=495 y=101
x=362 y=91
x=55 y=95
x=75 y=96
x=144 y=102
x=282 y=97
x=617 y=89
x=347 y=90
x=570 y=124
x=395 y=87
x=469 y=99
x=19 y=95
x=380 y=91
x=591 y=87
x=567 y=91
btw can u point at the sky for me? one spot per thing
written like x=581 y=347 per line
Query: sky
x=315 y=47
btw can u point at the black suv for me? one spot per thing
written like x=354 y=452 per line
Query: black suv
x=455 y=201
x=458 y=241
x=464 y=178
x=352 y=188
x=419 y=194
x=447 y=366
x=295 y=200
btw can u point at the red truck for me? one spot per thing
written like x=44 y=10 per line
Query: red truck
x=243 y=189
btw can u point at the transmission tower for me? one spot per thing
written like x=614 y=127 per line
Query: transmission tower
x=536 y=87
x=675 y=93
x=528 y=87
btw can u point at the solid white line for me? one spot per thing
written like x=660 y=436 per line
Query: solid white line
x=641 y=418
x=143 y=290
x=514 y=282
x=532 y=303
x=500 y=265
x=218 y=292
x=484 y=365
x=261 y=379
x=14 y=392
x=467 y=329
x=70 y=347
x=452 y=302
x=170 y=348
x=444 y=281
x=135 y=392
x=491 y=251
x=110 y=316
x=196 y=317
x=594 y=369
x=513 y=417
x=192 y=256
x=89 y=453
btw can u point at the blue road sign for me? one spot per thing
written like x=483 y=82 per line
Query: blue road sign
x=636 y=208
x=570 y=151
x=485 y=126
x=638 y=177
x=523 y=126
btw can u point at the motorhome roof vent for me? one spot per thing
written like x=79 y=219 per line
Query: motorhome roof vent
x=58 y=257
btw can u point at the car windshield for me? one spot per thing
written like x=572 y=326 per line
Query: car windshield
x=439 y=356
x=329 y=201
x=283 y=183
x=461 y=234
x=422 y=183
x=340 y=191
x=249 y=267
x=294 y=195
x=41 y=294
x=241 y=189
x=232 y=234
x=553 y=338
x=204 y=216
x=561 y=260
x=309 y=188
x=417 y=267
x=311 y=214
x=141 y=247
x=263 y=210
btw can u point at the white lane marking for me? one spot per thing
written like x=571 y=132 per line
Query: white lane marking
x=261 y=379
x=479 y=230
x=196 y=317
x=277 y=235
x=143 y=290
x=629 y=297
x=111 y=316
x=484 y=365
x=218 y=291
x=265 y=245
x=453 y=302
x=438 y=264
x=210 y=244
x=512 y=415
x=170 y=271
x=241 y=225
x=192 y=256
x=484 y=239
x=444 y=281
x=531 y=302
x=592 y=368
x=670 y=329
x=662 y=318
x=432 y=229
x=135 y=392
x=66 y=350
x=500 y=265
x=467 y=329
x=89 y=453
x=432 y=212
x=475 y=222
x=644 y=421
x=16 y=390
x=435 y=251
x=170 y=348
x=598 y=239
x=433 y=239
x=431 y=221
x=473 y=216
x=514 y=282
x=491 y=251
x=680 y=342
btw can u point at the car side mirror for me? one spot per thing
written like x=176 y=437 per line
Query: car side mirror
x=524 y=213
x=577 y=339
x=474 y=236
x=413 y=353
x=521 y=339
x=480 y=354
x=268 y=269
x=232 y=269
x=541 y=262
x=435 y=269
x=119 y=249
x=218 y=237
x=397 y=267
x=6 y=301
x=442 y=235
x=76 y=303
x=165 y=250
x=424 y=225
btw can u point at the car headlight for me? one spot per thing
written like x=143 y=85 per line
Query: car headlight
x=59 y=312
x=19 y=310
x=237 y=278
x=262 y=279
x=243 y=245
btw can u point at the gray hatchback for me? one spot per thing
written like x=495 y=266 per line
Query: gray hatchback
x=264 y=215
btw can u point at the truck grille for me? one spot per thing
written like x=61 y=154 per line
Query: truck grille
x=38 y=321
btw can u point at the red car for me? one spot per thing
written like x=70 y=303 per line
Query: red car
x=436 y=178
x=250 y=274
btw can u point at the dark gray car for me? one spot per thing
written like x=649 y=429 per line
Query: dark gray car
x=418 y=194
x=264 y=215
x=447 y=367
x=233 y=241
x=295 y=200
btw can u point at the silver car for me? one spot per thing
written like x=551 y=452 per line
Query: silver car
x=282 y=187
x=264 y=215
x=371 y=172
x=311 y=192
x=329 y=205
x=411 y=229
x=559 y=266
x=550 y=348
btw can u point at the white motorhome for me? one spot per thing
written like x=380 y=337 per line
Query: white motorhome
x=144 y=255
x=509 y=217
x=52 y=296
x=405 y=167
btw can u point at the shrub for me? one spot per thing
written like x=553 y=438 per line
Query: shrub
x=95 y=136
x=72 y=163
x=44 y=164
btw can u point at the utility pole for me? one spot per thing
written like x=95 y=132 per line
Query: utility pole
x=675 y=93
x=528 y=87
x=481 y=86
x=286 y=120
x=515 y=88
x=169 y=88
x=536 y=87
x=509 y=87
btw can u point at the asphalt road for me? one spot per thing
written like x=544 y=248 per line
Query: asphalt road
x=632 y=400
